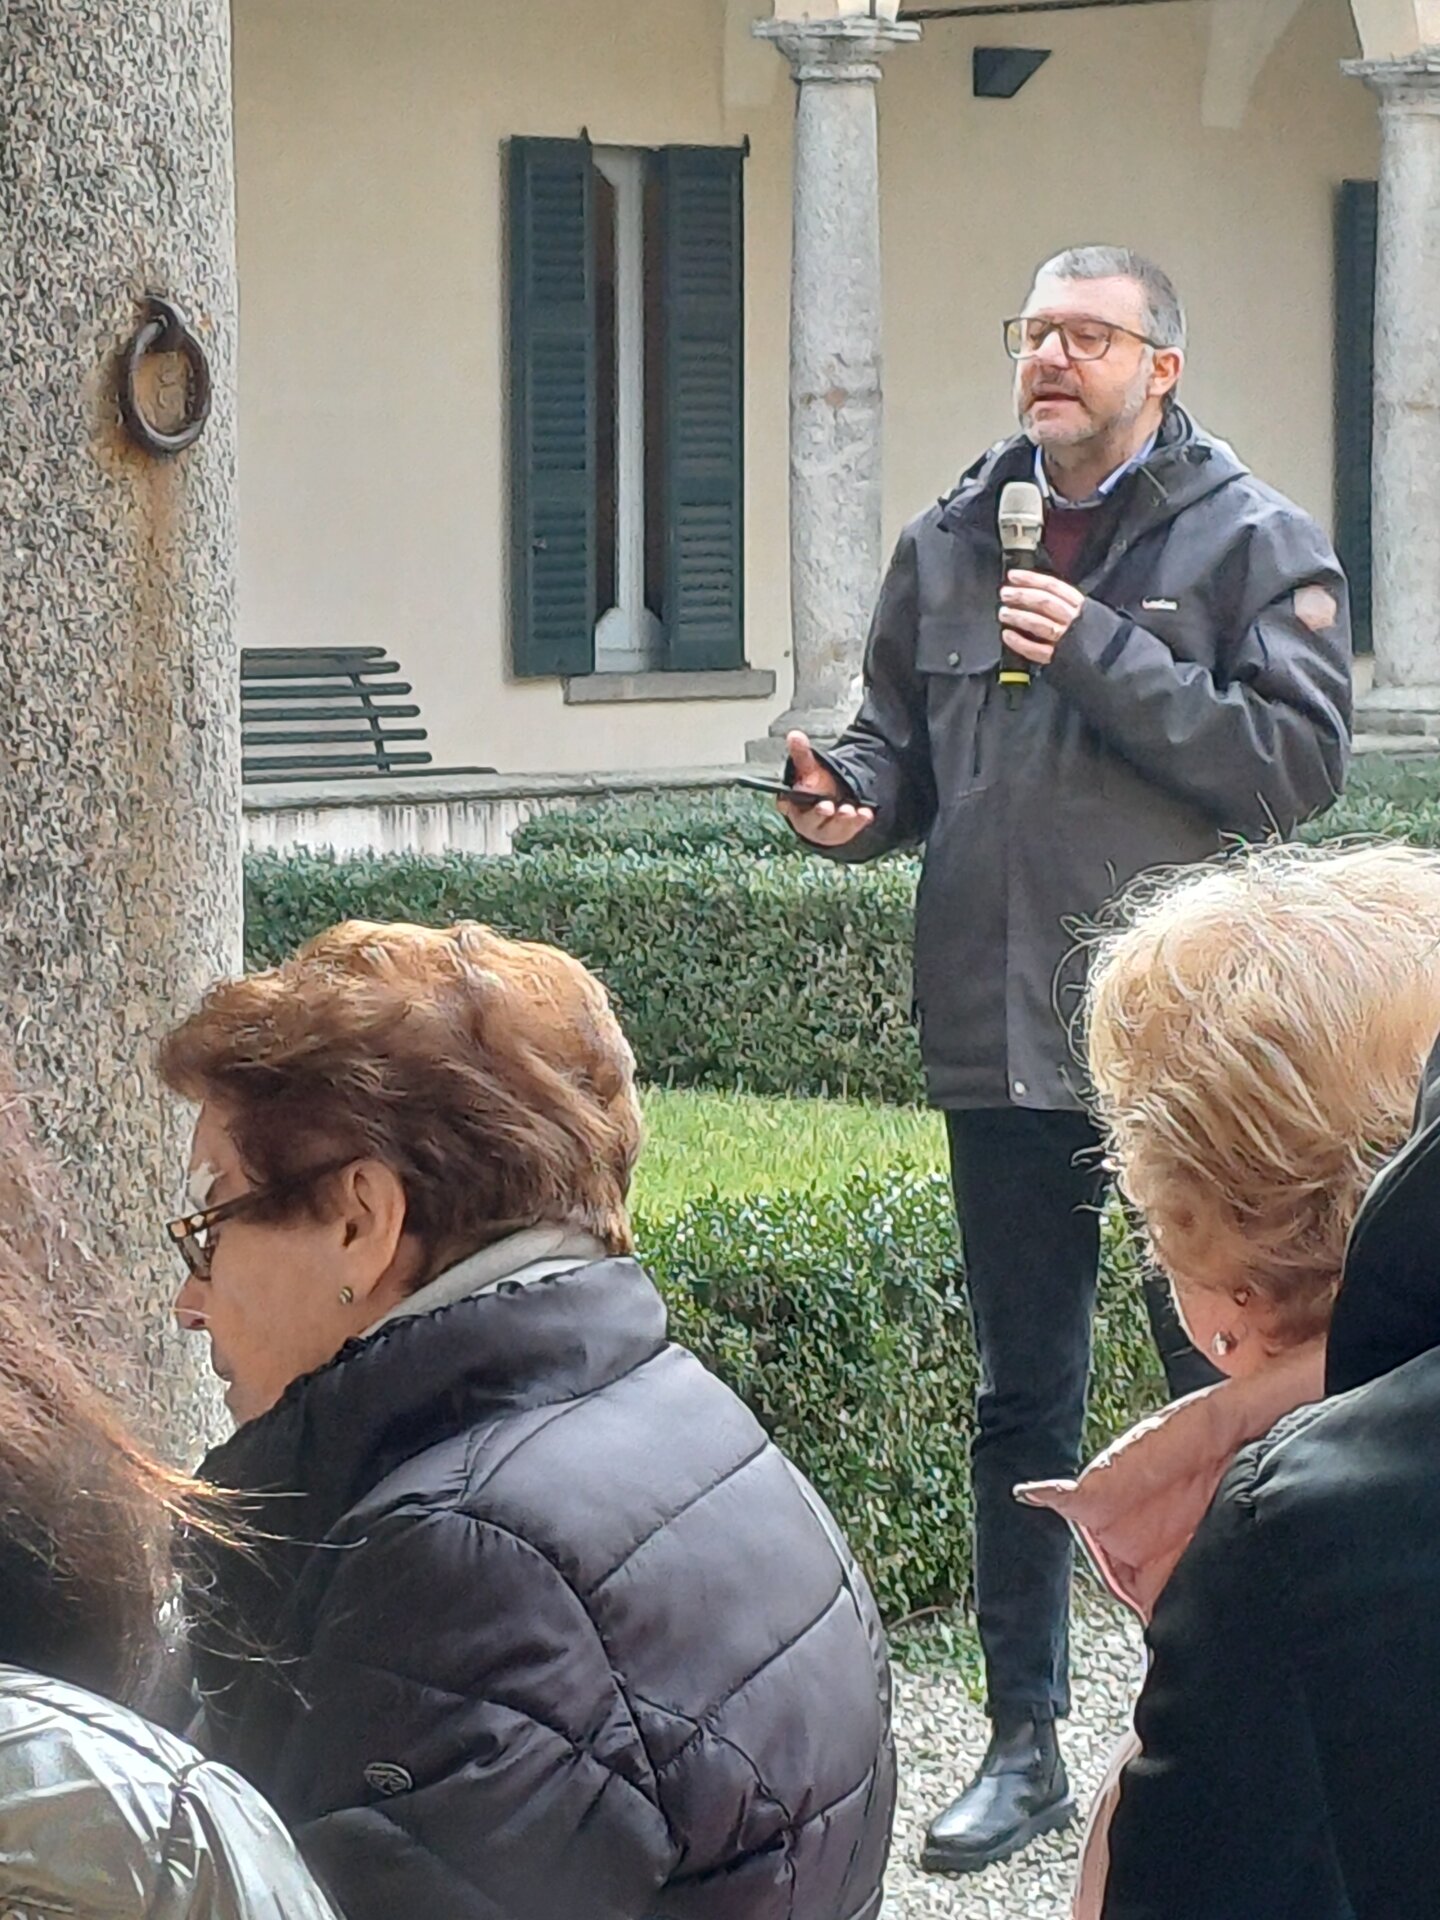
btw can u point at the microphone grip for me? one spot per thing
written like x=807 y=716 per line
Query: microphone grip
x=1015 y=676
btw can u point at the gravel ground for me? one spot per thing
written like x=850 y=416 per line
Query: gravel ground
x=942 y=1734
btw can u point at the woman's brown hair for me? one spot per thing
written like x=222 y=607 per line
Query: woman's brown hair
x=86 y=1514
x=490 y=1074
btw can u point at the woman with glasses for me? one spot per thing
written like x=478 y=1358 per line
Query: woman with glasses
x=102 y=1817
x=540 y=1624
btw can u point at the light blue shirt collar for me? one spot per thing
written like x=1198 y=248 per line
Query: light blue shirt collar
x=1106 y=487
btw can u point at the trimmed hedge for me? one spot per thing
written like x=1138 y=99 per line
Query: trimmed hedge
x=1387 y=799
x=776 y=975
x=733 y=962
x=838 y=1320
x=1395 y=799
x=663 y=824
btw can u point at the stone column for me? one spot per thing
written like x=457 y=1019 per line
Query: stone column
x=1407 y=371
x=119 y=758
x=835 y=386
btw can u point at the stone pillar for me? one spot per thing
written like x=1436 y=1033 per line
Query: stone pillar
x=1407 y=371
x=119 y=758
x=835 y=387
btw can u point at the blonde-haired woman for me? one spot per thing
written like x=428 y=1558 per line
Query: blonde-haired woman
x=540 y=1623
x=1256 y=1034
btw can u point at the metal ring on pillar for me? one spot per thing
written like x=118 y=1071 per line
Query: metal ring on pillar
x=165 y=330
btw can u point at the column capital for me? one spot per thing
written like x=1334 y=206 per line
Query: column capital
x=1409 y=82
x=837 y=50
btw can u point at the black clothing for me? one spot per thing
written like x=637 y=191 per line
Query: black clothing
x=1291 y=1716
x=553 y=1631
x=1190 y=699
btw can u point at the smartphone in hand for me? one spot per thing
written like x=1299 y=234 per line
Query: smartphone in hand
x=797 y=796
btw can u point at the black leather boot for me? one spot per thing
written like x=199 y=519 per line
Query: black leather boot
x=1019 y=1793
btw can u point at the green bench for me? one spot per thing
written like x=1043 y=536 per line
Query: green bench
x=329 y=713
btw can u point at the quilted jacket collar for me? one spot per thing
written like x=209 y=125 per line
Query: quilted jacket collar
x=415 y=1382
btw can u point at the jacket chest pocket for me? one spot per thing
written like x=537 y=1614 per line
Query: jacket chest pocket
x=956 y=659
x=1181 y=623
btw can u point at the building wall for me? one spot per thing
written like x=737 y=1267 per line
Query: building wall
x=1107 y=143
x=373 y=511
x=372 y=313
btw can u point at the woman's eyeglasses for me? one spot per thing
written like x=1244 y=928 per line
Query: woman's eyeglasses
x=192 y=1232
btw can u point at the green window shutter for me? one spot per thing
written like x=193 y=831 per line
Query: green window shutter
x=703 y=253
x=1356 y=214
x=552 y=409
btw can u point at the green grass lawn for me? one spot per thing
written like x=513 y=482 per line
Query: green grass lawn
x=736 y=1144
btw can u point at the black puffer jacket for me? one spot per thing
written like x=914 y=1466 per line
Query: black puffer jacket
x=1291 y=1716
x=555 y=1633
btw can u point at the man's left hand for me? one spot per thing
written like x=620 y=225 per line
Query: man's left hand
x=1036 y=613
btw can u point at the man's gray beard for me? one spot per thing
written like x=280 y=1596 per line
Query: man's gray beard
x=1079 y=436
x=1059 y=436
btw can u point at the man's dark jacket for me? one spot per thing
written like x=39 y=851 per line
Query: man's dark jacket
x=1291 y=1718
x=1191 y=700
x=548 y=1629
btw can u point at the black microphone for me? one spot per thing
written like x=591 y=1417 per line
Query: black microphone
x=1022 y=522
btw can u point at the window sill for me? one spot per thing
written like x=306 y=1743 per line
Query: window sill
x=613 y=689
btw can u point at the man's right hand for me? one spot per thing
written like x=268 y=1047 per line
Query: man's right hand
x=836 y=821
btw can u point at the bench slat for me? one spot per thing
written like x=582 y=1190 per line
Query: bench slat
x=285 y=716
x=311 y=653
x=368 y=771
x=314 y=699
x=312 y=737
x=327 y=667
x=321 y=763
x=304 y=690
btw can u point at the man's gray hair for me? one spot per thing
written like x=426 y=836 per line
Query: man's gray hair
x=1164 y=315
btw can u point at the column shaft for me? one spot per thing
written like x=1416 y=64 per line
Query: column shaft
x=1407 y=372
x=836 y=394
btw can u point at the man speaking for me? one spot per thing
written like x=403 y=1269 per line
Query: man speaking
x=1170 y=665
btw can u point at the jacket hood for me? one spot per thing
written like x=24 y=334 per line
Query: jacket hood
x=1187 y=464
x=1388 y=1309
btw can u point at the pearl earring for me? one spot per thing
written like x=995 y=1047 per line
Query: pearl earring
x=347 y=1296
x=1223 y=1344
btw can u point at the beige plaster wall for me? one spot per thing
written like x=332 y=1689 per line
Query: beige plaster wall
x=372 y=313
x=1391 y=29
x=373 y=489
x=1106 y=143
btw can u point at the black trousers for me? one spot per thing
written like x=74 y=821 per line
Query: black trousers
x=1028 y=1191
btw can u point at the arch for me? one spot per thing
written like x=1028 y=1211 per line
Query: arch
x=1392 y=29
x=1243 y=35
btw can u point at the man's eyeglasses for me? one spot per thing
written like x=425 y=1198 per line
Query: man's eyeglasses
x=192 y=1232
x=1080 y=339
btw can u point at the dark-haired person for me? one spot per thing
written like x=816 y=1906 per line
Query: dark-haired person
x=551 y=1630
x=102 y=1817
x=1187 y=638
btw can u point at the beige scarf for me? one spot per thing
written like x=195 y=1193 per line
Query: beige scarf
x=531 y=1254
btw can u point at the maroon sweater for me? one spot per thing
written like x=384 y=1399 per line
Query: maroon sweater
x=1068 y=531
